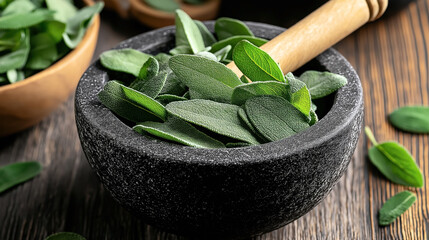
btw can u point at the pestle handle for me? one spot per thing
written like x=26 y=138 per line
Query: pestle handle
x=320 y=30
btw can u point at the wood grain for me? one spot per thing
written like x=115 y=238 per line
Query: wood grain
x=391 y=57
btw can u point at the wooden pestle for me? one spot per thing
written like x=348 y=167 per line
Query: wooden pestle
x=320 y=30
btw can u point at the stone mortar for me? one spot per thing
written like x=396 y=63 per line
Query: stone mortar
x=219 y=193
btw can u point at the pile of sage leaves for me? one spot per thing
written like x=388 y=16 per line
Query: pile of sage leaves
x=36 y=33
x=170 y=5
x=190 y=97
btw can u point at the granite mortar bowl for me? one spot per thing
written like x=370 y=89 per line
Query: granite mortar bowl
x=219 y=193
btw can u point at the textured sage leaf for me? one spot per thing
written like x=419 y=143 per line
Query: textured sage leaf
x=25 y=20
x=149 y=81
x=124 y=60
x=256 y=64
x=322 y=84
x=222 y=54
x=16 y=173
x=64 y=9
x=246 y=91
x=220 y=118
x=21 y=6
x=163 y=5
x=149 y=70
x=14 y=75
x=177 y=130
x=207 y=55
x=395 y=207
x=16 y=59
x=274 y=117
x=228 y=27
x=43 y=51
x=395 y=162
x=131 y=104
x=77 y=25
x=299 y=94
x=211 y=79
x=208 y=37
x=411 y=119
x=168 y=98
x=187 y=32
x=172 y=84
x=232 y=41
x=243 y=116
x=183 y=49
x=65 y=236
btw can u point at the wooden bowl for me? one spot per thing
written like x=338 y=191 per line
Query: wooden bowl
x=27 y=102
x=155 y=18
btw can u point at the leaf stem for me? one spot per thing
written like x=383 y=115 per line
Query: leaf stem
x=370 y=136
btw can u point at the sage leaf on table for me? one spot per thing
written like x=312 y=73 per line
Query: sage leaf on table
x=43 y=51
x=208 y=37
x=64 y=9
x=163 y=5
x=217 y=117
x=16 y=59
x=131 y=104
x=274 y=117
x=413 y=119
x=124 y=60
x=228 y=27
x=395 y=162
x=187 y=32
x=246 y=91
x=395 y=207
x=211 y=79
x=16 y=173
x=65 y=236
x=232 y=41
x=256 y=64
x=177 y=130
x=321 y=84
x=299 y=94
x=25 y=20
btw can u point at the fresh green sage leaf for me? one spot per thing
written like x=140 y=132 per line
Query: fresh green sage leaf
x=395 y=207
x=299 y=94
x=177 y=130
x=244 y=79
x=232 y=41
x=149 y=69
x=246 y=91
x=131 y=104
x=321 y=84
x=64 y=9
x=222 y=54
x=228 y=27
x=14 y=75
x=18 y=7
x=208 y=37
x=243 y=116
x=25 y=20
x=207 y=55
x=55 y=29
x=256 y=64
x=16 y=59
x=124 y=60
x=187 y=32
x=168 y=98
x=211 y=79
x=395 y=162
x=16 y=173
x=183 y=49
x=411 y=119
x=43 y=52
x=220 y=118
x=149 y=81
x=313 y=118
x=65 y=236
x=163 y=5
x=274 y=117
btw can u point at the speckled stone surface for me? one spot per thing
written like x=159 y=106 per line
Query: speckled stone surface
x=219 y=193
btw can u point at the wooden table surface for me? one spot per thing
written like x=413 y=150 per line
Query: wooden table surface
x=391 y=57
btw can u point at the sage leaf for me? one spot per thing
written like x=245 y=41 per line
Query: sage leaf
x=222 y=54
x=163 y=5
x=16 y=59
x=207 y=55
x=220 y=118
x=64 y=9
x=183 y=49
x=15 y=7
x=232 y=41
x=124 y=60
x=14 y=75
x=313 y=118
x=256 y=64
x=25 y=20
x=16 y=173
x=321 y=84
x=395 y=162
x=211 y=79
x=246 y=91
x=413 y=119
x=177 y=130
x=149 y=70
x=299 y=94
x=243 y=116
x=55 y=29
x=187 y=32
x=131 y=104
x=228 y=27
x=244 y=79
x=172 y=84
x=274 y=117
x=168 y=98
x=43 y=52
x=65 y=236
x=208 y=37
x=395 y=207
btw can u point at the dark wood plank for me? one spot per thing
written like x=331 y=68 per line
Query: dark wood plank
x=391 y=57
